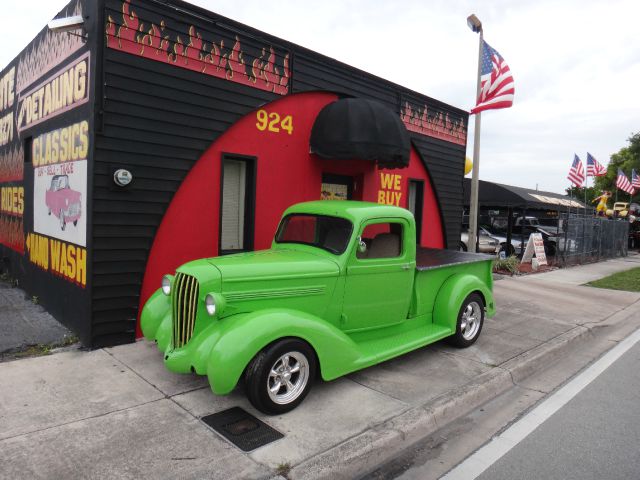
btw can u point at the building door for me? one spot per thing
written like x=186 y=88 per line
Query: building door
x=416 y=199
x=237 y=204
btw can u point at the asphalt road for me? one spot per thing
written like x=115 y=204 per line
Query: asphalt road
x=596 y=435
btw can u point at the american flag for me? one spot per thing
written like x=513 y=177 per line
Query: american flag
x=623 y=183
x=594 y=168
x=576 y=172
x=635 y=179
x=496 y=81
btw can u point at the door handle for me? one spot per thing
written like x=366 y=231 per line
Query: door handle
x=406 y=266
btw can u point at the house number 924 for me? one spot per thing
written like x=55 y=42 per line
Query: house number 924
x=273 y=122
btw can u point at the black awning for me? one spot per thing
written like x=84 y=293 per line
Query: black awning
x=492 y=194
x=364 y=129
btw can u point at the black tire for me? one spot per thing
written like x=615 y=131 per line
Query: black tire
x=259 y=380
x=551 y=249
x=63 y=223
x=462 y=247
x=75 y=223
x=464 y=338
x=507 y=249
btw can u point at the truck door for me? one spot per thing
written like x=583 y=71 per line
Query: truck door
x=379 y=281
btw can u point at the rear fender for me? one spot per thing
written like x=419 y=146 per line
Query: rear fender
x=451 y=295
x=242 y=336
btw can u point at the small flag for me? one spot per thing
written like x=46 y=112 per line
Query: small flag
x=576 y=172
x=496 y=82
x=594 y=168
x=623 y=183
x=635 y=179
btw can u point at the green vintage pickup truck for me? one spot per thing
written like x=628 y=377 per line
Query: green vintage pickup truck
x=342 y=288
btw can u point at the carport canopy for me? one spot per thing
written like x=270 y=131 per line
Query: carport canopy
x=492 y=194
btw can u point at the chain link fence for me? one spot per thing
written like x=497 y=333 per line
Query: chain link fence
x=585 y=238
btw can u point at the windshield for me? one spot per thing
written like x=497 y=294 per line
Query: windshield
x=329 y=233
x=59 y=182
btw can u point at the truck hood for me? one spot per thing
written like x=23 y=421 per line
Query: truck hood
x=267 y=265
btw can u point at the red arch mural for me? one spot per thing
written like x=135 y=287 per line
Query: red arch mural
x=286 y=174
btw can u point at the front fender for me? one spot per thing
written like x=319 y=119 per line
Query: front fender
x=451 y=295
x=242 y=336
x=153 y=312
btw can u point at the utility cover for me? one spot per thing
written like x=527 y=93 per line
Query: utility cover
x=242 y=429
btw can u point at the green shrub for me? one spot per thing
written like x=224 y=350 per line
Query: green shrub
x=510 y=264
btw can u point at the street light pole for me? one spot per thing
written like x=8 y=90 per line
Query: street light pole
x=476 y=26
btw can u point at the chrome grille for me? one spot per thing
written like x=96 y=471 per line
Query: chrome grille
x=185 y=306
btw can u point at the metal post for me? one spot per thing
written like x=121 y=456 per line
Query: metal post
x=566 y=235
x=473 y=201
x=524 y=217
x=586 y=182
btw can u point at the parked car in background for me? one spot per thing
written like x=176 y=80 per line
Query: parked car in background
x=620 y=210
x=501 y=237
x=523 y=227
x=486 y=243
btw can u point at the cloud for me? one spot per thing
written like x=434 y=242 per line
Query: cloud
x=576 y=65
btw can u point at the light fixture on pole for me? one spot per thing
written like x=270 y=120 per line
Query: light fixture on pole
x=476 y=26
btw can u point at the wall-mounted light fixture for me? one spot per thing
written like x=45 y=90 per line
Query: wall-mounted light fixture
x=66 y=24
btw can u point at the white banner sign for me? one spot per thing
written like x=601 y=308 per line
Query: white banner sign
x=535 y=246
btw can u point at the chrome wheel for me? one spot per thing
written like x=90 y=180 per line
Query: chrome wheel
x=288 y=378
x=280 y=376
x=470 y=321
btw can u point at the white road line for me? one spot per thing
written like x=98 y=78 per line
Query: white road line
x=486 y=456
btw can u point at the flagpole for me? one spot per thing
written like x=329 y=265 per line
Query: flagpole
x=586 y=182
x=473 y=201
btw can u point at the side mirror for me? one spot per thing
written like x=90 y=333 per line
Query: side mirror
x=362 y=247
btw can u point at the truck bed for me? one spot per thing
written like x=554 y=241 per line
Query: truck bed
x=431 y=258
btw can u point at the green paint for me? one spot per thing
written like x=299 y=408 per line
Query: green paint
x=354 y=312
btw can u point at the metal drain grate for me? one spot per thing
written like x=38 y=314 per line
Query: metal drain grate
x=242 y=429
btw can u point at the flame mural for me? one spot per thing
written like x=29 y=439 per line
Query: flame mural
x=434 y=123
x=47 y=52
x=11 y=164
x=156 y=43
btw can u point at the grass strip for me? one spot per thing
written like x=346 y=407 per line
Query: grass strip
x=628 y=280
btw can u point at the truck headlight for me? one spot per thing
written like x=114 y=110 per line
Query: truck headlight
x=166 y=285
x=210 y=304
x=214 y=304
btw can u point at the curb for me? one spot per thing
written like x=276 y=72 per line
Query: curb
x=379 y=444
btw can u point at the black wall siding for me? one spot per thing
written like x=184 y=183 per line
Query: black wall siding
x=445 y=162
x=156 y=120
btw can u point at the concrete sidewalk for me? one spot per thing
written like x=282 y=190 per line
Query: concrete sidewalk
x=23 y=322
x=118 y=413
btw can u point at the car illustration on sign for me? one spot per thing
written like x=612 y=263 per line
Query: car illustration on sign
x=62 y=201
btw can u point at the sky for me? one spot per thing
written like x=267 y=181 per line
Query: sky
x=576 y=66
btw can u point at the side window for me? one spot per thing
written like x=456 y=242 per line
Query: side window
x=383 y=240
